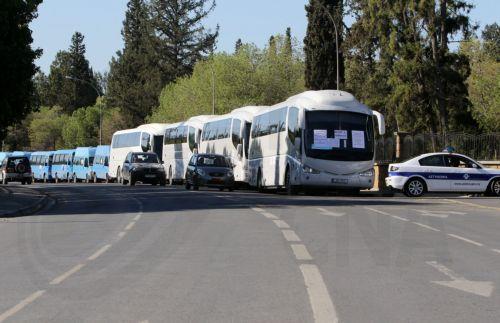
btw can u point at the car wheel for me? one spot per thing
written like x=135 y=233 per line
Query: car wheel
x=187 y=186
x=495 y=187
x=196 y=188
x=131 y=182
x=23 y=182
x=415 y=187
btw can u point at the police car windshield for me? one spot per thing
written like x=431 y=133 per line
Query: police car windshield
x=339 y=135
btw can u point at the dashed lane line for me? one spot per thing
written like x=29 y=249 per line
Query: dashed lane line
x=329 y=213
x=473 y=204
x=130 y=226
x=67 y=274
x=99 y=252
x=269 y=215
x=400 y=218
x=290 y=236
x=377 y=211
x=465 y=239
x=121 y=234
x=281 y=224
x=28 y=300
x=258 y=209
x=138 y=217
x=495 y=250
x=426 y=226
x=300 y=252
x=321 y=302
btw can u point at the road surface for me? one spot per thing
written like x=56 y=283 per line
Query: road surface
x=107 y=253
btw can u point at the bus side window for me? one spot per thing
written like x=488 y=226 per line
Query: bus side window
x=293 y=126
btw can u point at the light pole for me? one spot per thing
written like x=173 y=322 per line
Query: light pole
x=100 y=105
x=336 y=39
x=213 y=88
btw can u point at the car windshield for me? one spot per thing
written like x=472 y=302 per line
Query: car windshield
x=212 y=161
x=145 y=159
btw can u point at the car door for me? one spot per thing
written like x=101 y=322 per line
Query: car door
x=435 y=173
x=467 y=175
x=191 y=167
x=126 y=167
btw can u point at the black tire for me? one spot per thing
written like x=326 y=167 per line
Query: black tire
x=131 y=182
x=196 y=188
x=221 y=189
x=260 y=187
x=23 y=182
x=289 y=188
x=163 y=183
x=187 y=185
x=29 y=181
x=495 y=187
x=414 y=187
x=5 y=181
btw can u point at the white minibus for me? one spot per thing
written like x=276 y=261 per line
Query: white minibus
x=180 y=142
x=145 y=138
x=229 y=135
x=317 y=139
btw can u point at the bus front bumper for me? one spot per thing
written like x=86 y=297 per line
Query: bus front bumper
x=327 y=180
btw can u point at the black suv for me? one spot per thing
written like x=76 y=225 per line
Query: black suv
x=16 y=169
x=144 y=168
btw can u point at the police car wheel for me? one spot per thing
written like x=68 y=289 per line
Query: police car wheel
x=495 y=187
x=414 y=188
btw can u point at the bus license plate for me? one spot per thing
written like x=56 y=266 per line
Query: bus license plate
x=339 y=181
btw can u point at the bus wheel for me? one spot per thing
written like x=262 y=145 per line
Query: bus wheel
x=187 y=186
x=495 y=187
x=29 y=181
x=290 y=189
x=260 y=186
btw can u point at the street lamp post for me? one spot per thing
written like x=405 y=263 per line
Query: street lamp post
x=98 y=95
x=336 y=40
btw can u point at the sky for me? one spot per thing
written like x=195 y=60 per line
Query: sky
x=253 y=21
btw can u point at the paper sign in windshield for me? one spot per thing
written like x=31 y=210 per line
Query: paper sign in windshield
x=341 y=134
x=320 y=139
x=358 y=139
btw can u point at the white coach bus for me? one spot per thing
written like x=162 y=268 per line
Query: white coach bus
x=229 y=135
x=322 y=139
x=145 y=138
x=180 y=142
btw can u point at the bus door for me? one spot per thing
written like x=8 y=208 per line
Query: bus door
x=246 y=138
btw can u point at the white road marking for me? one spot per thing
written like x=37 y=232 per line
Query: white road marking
x=270 y=215
x=281 y=224
x=301 y=252
x=130 y=226
x=137 y=217
x=290 y=235
x=465 y=239
x=377 y=211
x=330 y=213
x=321 y=302
x=258 y=209
x=146 y=321
x=481 y=288
x=21 y=305
x=67 y=274
x=99 y=252
x=400 y=218
x=426 y=226
x=473 y=204
x=121 y=234
x=495 y=250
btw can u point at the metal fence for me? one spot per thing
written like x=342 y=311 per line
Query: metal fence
x=480 y=147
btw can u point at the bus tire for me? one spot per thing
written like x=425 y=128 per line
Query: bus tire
x=29 y=181
x=289 y=188
x=23 y=182
x=187 y=185
x=260 y=186
x=414 y=187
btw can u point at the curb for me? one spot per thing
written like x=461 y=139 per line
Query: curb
x=31 y=209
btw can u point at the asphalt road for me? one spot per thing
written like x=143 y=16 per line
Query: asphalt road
x=106 y=253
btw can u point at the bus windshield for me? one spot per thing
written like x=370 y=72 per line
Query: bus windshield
x=339 y=135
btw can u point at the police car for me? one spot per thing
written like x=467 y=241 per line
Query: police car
x=443 y=172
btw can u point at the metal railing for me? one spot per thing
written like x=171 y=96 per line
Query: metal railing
x=402 y=146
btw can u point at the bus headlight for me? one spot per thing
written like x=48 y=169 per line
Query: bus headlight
x=310 y=170
x=367 y=173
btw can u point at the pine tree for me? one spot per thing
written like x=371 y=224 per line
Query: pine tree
x=320 y=47
x=71 y=80
x=181 y=39
x=17 y=90
x=238 y=45
x=134 y=81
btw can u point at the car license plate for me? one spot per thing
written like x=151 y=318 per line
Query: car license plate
x=150 y=176
x=340 y=181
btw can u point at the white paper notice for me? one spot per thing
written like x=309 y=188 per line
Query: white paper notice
x=333 y=142
x=320 y=140
x=319 y=135
x=341 y=134
x=358 y=139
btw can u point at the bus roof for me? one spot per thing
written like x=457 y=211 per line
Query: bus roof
x=327 y=98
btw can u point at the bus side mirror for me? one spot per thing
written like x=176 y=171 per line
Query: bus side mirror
x=239 y=149
x=381 y=122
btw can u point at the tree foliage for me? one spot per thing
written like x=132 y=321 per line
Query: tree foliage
x=248 y=77
x=17 y=90
x=45 y=130
x=320 y=44
x=71 y=82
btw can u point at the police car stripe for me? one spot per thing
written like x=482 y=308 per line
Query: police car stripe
x=446 y=176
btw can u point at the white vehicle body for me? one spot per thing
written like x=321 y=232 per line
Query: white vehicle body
x=229 y=135
x=310 y=136
x=180 y=142
x=145 y=138
x=443 y=172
